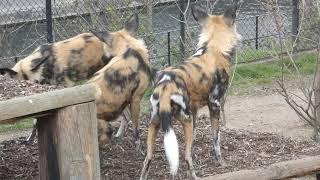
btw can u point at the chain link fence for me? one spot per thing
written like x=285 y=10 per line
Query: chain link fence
x=166 y=25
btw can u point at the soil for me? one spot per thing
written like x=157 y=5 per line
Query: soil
x=265 y=113
x=9 y=135
x=241 y=149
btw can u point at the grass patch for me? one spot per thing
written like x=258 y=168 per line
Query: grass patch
x=251 y=54
x=265 y=73
x=19 y=126
x=145 y=106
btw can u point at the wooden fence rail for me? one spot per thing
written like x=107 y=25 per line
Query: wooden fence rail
x=281 y=170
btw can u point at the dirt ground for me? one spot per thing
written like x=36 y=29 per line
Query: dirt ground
x=4 y=136
x=264 y=113
x=249 y=140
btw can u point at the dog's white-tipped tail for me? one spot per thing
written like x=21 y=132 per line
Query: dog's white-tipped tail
x=172 y=150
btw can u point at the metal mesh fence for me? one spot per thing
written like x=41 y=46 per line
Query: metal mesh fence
x=169 y=31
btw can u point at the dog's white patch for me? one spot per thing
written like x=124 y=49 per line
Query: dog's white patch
x=217 y=102
x=172 y=150
x=199 y=52
x=164 y=78
x=154 y=104
x=216 y=90
x=122 y=127
x=179 y=100
x=215 y=93
x=216 y=145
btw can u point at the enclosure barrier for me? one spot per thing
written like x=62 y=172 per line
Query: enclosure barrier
x=67 y=131
x=281 y=170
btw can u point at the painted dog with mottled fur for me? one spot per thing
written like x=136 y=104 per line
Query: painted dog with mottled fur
x=199 y=81
x=123 y=81
x=64 y=62
x=72 y=60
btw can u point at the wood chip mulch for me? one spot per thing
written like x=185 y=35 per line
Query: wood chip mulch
x=119 y=160
x=11 y=88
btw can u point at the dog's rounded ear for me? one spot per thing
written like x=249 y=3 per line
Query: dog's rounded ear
x=132 y=24
x=10 y=72
x=199 y=13
x=230 y=13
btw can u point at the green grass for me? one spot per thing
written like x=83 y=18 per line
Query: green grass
x=19 y=126
x=251 y=54
x=145 y=104
x=265 y=73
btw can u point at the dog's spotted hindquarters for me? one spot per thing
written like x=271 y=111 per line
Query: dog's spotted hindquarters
x=199 y=81
x=65 y=62
x=124 y=80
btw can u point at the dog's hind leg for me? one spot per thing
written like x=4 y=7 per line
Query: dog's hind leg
x=188 y=133
x=135 y=110
x=152 y=135
x=124 y=123
x=214 y=110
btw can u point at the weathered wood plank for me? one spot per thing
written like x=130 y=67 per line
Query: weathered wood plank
x=281 y=170
x=28 y=105
x=68 y=140
x=48 y=164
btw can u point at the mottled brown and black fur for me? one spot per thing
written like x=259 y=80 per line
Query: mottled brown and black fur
x=64 y=62
x=123 y=81
x=199 y=81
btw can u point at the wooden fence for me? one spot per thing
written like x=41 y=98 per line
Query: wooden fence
x=67 y=131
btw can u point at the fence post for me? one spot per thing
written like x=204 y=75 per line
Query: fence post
x=49 y=21
x=169 y=53
x=68 y=144
x=257 y=33
x=182 y=28
x=295 y=20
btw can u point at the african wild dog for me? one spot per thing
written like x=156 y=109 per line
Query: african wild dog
x=123 y=81
x=64 y=62
x=201 y=80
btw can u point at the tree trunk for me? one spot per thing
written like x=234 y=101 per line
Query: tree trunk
x=295 y=21
x=182 y=28
x=317 y=102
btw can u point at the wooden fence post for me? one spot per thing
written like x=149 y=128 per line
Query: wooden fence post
x=68 y=144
